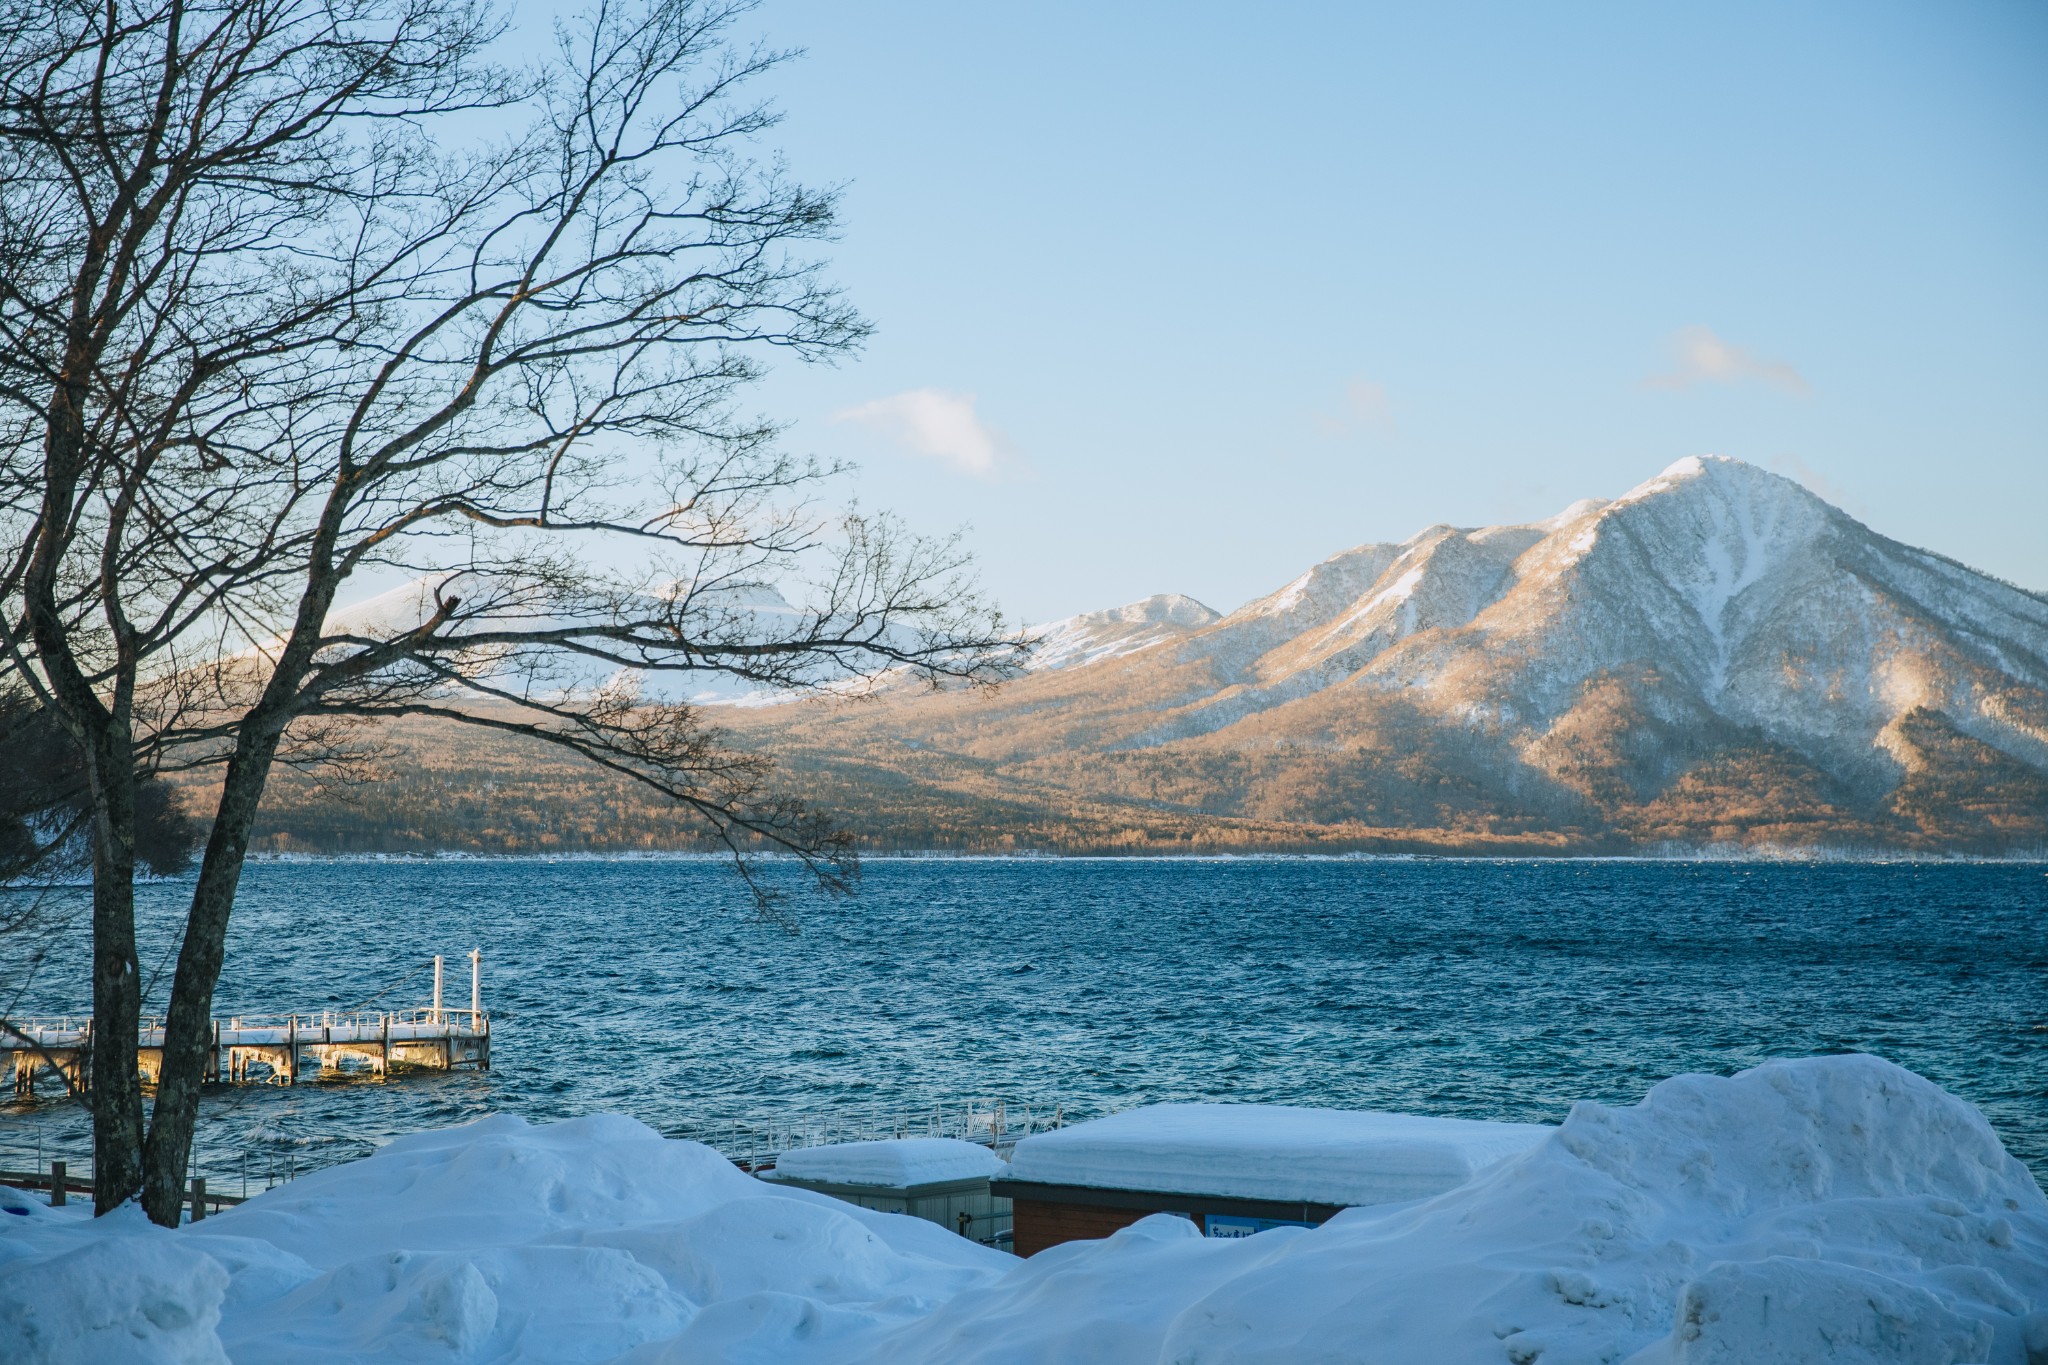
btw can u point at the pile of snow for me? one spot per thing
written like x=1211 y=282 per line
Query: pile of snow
x=896 y=1163
x=496 y=1241
x=133 y=1298
x=1835 y=1210
x=1271 y=1151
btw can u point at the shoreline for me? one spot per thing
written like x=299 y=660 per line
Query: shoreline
x=1706 y=855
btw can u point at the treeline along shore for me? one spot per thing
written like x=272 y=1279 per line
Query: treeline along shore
x=432 y=787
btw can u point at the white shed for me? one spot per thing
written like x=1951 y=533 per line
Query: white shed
x=942 y=1180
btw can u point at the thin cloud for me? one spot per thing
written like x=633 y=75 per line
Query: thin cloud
x=937 y=423
x=1365 y=405
x=1704 y=358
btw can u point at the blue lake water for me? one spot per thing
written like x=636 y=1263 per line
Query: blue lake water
x=1471 y=988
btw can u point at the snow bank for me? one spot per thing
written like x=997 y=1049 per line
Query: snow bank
x=496 y=1241
x=136 y=1296
x=1270 y=1151
x=1834 y=1210
x=893 y=1162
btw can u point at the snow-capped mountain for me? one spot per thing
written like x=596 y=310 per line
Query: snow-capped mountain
x=1750 y=598
x=741 y=611
x=1717 y=639
x=1716 y=657
x=1096 y=635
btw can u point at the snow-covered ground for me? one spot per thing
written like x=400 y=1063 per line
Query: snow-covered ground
x=1833 y=1209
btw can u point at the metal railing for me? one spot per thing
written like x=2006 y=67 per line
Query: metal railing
x=466 y=1019
x=754 y=1143
x=72 y=1030
x=229 y=1175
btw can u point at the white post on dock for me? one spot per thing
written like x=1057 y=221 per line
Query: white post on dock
x=476 y=986
x=437 y=988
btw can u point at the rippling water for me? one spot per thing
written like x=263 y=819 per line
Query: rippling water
x=1472 y=988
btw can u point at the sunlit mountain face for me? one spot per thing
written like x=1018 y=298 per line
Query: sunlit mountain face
x=1718 y=655
x=1718 y=658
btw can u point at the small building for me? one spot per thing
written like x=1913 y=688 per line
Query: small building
x=1237 y=1169
x=942 y=1180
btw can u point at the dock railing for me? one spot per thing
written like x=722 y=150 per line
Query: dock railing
x=269 y=1046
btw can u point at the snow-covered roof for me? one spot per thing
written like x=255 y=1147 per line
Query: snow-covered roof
x=896 y=1163
x=1269 y=1151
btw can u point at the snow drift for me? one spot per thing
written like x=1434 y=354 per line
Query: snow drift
x=1833 y=1209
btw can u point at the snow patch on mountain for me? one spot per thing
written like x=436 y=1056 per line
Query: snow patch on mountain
x=1096 y=635
x=1578 y=511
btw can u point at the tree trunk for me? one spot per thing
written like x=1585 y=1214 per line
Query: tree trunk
x=188 y=1026
x=115 y=1097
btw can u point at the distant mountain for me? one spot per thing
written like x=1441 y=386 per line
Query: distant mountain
x=1752 y=601
x=748 y=610
x=1097 y=635
x=1718 y=657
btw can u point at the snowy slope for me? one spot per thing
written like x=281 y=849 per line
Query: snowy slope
x=1821 y=1211
x=1096 y=635
x=1753 y=600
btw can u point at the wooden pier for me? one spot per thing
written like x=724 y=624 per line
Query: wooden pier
x=273 y=1048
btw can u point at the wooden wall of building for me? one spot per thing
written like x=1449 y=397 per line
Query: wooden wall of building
x=1037 y=1224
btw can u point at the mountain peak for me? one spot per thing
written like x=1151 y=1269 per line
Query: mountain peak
x=1719 y=474
x=1095 y=635
x=1584 y=507
x=1717 y=655
x=1747 y=597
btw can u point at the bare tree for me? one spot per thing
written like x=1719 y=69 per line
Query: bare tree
x=299 y=294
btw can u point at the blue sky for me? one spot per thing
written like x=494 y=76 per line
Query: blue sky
x=1182 y=297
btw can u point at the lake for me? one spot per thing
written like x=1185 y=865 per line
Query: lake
x=1475 y=988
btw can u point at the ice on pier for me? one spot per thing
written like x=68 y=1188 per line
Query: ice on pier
x=1836 y=1210
x=1270 y=1151
x=896 y=1163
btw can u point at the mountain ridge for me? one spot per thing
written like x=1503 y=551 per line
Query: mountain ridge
x=1568 y=674
x=1354 y=631
x=1716 y=657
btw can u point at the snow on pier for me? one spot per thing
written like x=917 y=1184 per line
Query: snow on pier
x=274 y=1048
